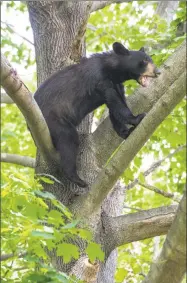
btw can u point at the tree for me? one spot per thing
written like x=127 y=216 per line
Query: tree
x=59 y=37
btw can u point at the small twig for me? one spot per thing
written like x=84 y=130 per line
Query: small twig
x=14 y=31
x=158 y=191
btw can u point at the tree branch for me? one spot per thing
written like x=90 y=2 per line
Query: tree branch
x=138 y=226
x=18 y=159
x=129 y=148
x=105 y=140
x=20 y=94
x=6 y=99
x=97 y=5
x=155 y=165
x=170 y=265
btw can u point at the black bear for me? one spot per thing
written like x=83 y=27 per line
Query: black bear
x=69 y=95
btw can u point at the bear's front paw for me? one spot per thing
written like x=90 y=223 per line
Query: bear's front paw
x=140 y=117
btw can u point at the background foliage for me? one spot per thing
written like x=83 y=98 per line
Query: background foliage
x=24 y=212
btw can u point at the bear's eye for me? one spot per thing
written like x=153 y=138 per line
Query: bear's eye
x=146 y=58
x=143 y=62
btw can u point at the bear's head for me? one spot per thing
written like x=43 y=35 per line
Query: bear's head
x=135 y=65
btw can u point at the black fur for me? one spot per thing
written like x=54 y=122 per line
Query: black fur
x=70 y=94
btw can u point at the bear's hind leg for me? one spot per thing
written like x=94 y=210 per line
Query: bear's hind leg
x=66 y=141
x=67 y=145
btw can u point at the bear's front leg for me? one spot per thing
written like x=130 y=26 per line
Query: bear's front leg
x=135 y=120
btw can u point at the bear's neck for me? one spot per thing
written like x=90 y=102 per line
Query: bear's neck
x=119 y=76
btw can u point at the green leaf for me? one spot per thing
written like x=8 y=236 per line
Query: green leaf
x=46 y=180
x=137 y=161
x=141 y=178
x=94 y=251
x=35 y=211
x=73 y=224
x=43 y=235
x=51 y=244
x=67 y=251
x=37 y=277
x=38 y=249
x=85 y=234
x=46 y=195
x=55 y=218
x=121 y=274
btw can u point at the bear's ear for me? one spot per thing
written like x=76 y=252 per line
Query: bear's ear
x=120 y=49
x=142 y=49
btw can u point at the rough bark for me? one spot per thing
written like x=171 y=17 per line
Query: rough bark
x=170 y=266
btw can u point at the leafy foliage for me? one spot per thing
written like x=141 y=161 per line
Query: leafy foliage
x=29 y=225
